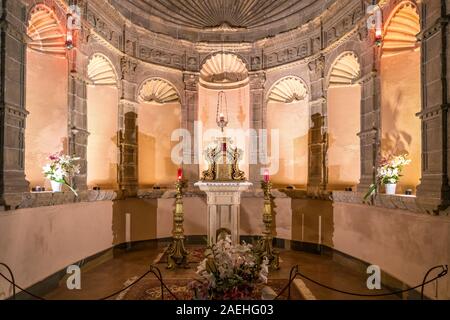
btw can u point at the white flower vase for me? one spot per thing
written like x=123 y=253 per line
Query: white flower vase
x=390 y=188
x=56 y=186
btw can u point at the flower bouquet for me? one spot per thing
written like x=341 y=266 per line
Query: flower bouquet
x=61 y=170
x=389 y=173
x=229 y=272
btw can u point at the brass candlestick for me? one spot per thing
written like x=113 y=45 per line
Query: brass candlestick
x=265 y=247
x=176 y=253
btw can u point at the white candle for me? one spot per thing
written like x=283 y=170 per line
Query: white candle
x=128 y=228
x=320 y=230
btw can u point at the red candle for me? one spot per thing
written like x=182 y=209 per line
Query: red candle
x=180 y=174
x=266 y=176
x=224 y=147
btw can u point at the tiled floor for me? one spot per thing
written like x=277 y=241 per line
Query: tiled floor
x=110 y=276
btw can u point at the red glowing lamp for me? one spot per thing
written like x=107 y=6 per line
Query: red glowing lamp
x=180 y=174
x=266 y=176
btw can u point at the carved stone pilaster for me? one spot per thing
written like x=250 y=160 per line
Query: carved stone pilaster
x=317 y=142
x=258 y=122
x=189 y=115
x=12 y=103
x=370 y=135
x=317 y=148
x=128 y=147
x=434 y=190
x=78 y=133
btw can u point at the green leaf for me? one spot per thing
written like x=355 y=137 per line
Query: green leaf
x=371 y=191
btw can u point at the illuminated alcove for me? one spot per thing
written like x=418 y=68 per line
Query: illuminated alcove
x=401 y=91
x=46 y=92
x=288 y=124
x=102 y=123
x=228 y=73
x=159 y=116
x=343 y=108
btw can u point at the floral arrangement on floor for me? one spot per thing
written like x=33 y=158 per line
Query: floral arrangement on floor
x=389 y=172
x=229 y=272
x=61 y=169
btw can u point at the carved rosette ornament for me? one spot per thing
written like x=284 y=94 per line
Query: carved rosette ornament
x=128 y=67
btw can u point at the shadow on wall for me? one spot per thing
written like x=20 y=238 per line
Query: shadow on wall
x=288 y=126
x=46 y=124
x=134 y=220
x=312 y=221
x=147 y=160
x=108 y=180
x=342 y=172
x=102 y=148
x=156 y=124
x=400 y=101
x=395 y=141
x=155 y=162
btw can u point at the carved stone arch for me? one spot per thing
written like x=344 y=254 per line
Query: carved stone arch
x=145 y=71
x=401 y=29
x=46 y=30
x=288 y=89
x=97 y=47
x=224 y=70
x=345 y=70
x=244 y=59
x=158 y=90
x=101 y=71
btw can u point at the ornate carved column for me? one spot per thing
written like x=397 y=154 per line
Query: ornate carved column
x=189 y=115
x=370 y=135
x=128 y=129
x=77 y=102
x=12 y=102
x=317 y=142
x=434 y=191
x=258 y=121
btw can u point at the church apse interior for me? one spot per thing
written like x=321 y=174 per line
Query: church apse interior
x=138 y=133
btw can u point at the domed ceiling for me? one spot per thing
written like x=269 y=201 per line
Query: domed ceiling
x=217 y=20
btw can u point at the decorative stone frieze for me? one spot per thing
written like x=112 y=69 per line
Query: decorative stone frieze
x=401 y=202
x=46 y=199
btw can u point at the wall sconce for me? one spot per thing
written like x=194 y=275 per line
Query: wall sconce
x=74 y=131
x=73 y=19
x=69 y=36
x=375 y=22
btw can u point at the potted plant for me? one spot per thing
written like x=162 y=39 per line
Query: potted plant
x=388 y=174
x=61 y=170
x=229 y=272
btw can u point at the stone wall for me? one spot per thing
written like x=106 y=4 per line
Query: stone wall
x=403 y=244
x=308 y=51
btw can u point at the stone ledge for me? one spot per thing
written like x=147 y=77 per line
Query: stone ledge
x=45 y=199
x=401 y=202
x=304 y=194
x=171 y=193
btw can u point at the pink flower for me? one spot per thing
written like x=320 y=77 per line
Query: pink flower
x=54 y=157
